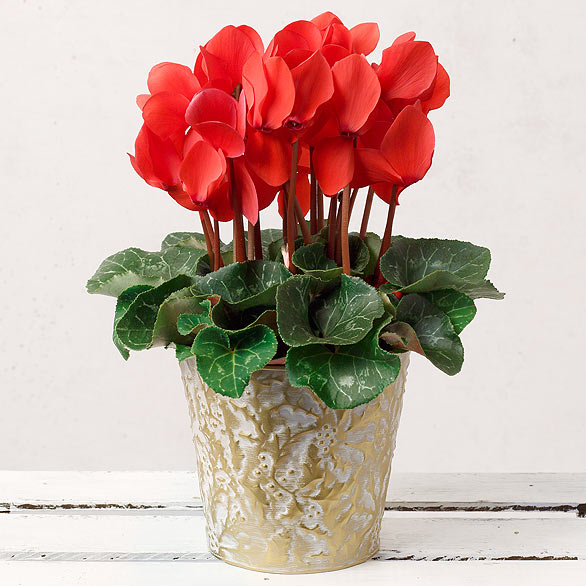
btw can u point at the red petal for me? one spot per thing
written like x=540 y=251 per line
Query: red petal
x=246 y=191
x=407 y=70
x=300 y=34
x=405 y=37
x=221 y=136
x=253 y=36
x=379 y=121
x=313 y=87
x=302 y=193
x=441 y=90
x=338 y=34
x=220 y=204
x=308 y=31
x=269 y=156
x=212 y=105
x=333 y=161
x=281 y=93
x=241 y=115
x=233 y=47
x=198 y=69
x=202 y=168
x=214 y=68
x=265 y=193
x=164 y=114
x=385 y=190
x=297 y=57
x=334 y=53
x=156 y=160
x=255 y=87
x=325 y=19
x=372 y=167
x=141 y=100
x=409 y=145
x=220 y=84
x=174 y=78
x=183 y=199
x=365 y=37
x=356 y=92
x=324 y=125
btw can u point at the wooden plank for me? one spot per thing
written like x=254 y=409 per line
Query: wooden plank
x=371 y=573
x=179 y=491
x=405 y=536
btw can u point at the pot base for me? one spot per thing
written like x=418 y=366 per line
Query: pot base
x=297 y=571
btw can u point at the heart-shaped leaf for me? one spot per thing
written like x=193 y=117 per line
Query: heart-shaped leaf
x=429 y=264
x=124 y=301
x=184 y=240
x=204 y=267
x=457 y=306
x=313 y=260
x=136 y=328
x=344 y=376
x=485 y=290
x=226 y=316
x=134 y=266
x=184 y=301
x=192 y=323
x=182 y=352
x=226 y=360
x=341 y=315
x=434 y=331
x=246 y=284
x=373 y=242
x=359 y=254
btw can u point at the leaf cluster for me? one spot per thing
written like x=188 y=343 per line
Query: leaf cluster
x=339 y=335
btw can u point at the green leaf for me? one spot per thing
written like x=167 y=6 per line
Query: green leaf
x=228 y=317
x=342 y=315
x=429 y=264
x=401 y=337
x=225 y=360
x=457 y=306
x=345 y=376
x=268 y=237
x=313 y=260
x=359 y=254
x=204 y=267
x=482 y=290
x=182 y=352
x=435 y=333
x=123 y=303
x=373 y=243
x=192 y=323
x=136 y=328
x=134 y=266
x=184 y=240
x=246 y=284
x=165 y=330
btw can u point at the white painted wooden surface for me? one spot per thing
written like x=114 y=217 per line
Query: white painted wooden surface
x=140 y=528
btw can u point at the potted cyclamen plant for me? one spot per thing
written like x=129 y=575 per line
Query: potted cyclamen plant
x=294 y=342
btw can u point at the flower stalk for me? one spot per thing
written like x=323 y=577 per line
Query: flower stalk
x=386 y=242
x=344 y=243
x=292 y=196
x=366 y=214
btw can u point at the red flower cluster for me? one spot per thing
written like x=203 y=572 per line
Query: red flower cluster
x=226 y=129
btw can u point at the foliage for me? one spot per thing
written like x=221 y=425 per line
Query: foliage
x=342 y=335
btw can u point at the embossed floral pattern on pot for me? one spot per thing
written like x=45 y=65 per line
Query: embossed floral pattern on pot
x=288 y=484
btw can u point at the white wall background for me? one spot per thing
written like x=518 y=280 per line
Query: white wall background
x=509 y=173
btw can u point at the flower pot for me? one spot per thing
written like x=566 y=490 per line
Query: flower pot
x=288 y=484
